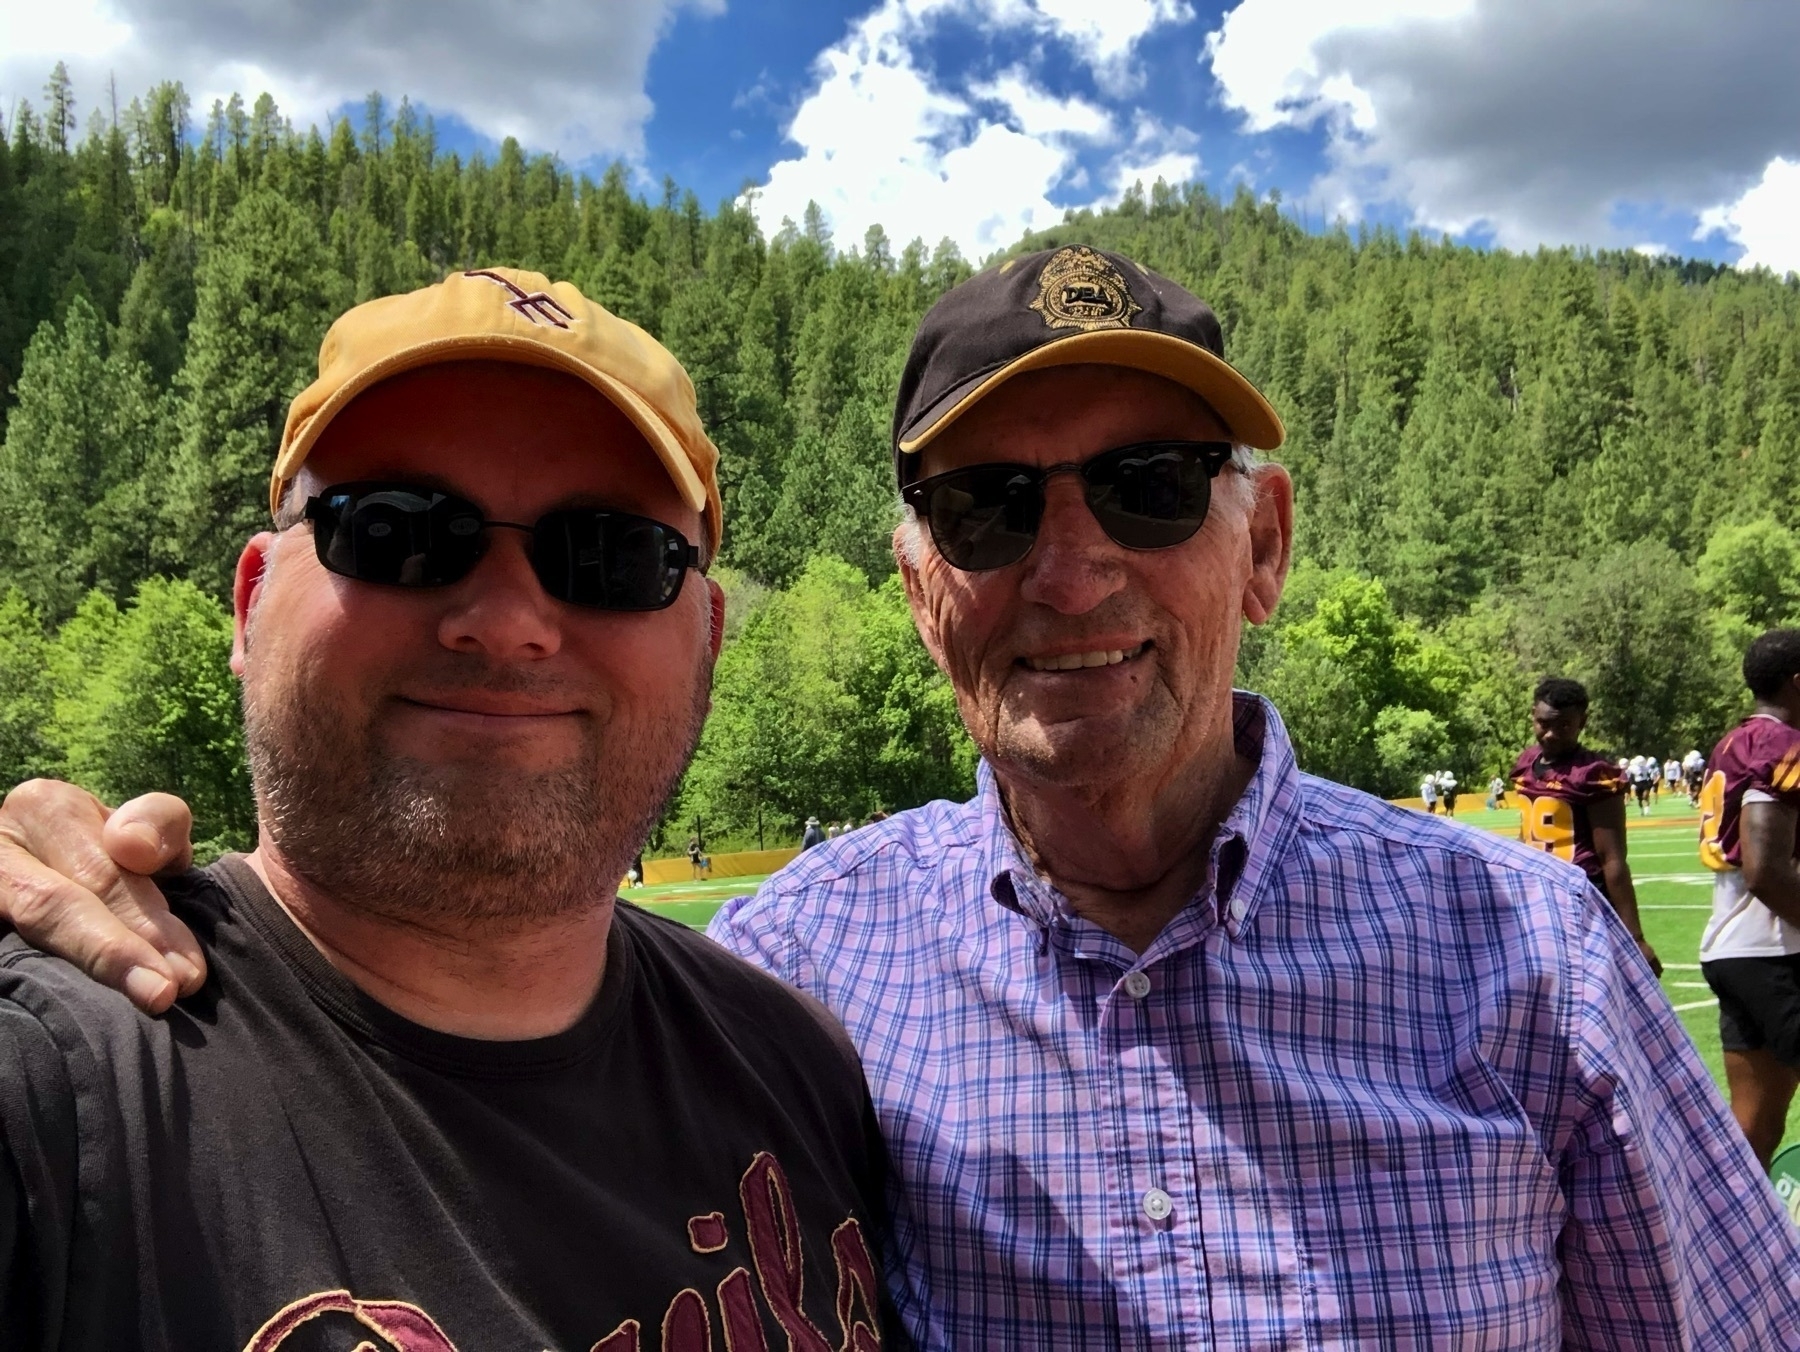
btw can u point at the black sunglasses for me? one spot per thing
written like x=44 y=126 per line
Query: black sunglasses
x=401 y=535
x=1149 y=495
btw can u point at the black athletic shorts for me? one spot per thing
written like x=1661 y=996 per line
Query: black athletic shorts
x=1759 y=1004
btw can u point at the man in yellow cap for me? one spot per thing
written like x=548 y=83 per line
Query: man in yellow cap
x=441 y=1089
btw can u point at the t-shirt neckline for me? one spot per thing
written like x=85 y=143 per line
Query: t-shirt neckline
x=354 y=1008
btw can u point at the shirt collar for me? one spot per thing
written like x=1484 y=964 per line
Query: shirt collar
x=1255 y=832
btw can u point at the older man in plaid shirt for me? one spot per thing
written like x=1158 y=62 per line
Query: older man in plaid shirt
x=1175 y=1046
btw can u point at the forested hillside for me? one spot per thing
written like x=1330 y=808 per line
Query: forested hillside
x=1506 y=465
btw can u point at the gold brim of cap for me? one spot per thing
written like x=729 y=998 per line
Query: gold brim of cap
x=1247 y=416
x=499 y=347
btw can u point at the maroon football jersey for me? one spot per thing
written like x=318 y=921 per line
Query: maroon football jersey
x=1554 y=801
x=1762 y=754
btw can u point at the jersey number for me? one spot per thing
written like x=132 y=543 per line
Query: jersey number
x=1549 y=824
x=1712 y=816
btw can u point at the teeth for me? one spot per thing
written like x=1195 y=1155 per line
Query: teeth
x=1076 y=661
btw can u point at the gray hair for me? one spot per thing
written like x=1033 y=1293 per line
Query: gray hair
x=1236 y=488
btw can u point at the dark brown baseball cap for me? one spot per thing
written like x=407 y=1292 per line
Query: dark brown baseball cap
x=1067 y=307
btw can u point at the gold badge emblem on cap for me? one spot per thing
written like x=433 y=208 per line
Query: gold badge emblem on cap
x=1080 y=289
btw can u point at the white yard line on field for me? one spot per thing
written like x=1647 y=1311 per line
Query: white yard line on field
x=1696 y=1004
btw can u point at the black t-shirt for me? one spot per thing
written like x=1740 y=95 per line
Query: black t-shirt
x=282 y=1162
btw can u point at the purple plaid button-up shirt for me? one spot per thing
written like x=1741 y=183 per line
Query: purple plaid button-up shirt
x=1386 y=1082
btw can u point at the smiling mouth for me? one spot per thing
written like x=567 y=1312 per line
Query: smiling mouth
x=496 y=711
x=1100 y=657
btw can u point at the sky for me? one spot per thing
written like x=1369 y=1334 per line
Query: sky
x=1671 y=126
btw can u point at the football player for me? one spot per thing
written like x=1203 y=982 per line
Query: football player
x=1572 y=801
x=1640 y=775
x=1693 y=770
x=1750 y=952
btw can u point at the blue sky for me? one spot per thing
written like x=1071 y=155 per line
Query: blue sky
x=1668 y=125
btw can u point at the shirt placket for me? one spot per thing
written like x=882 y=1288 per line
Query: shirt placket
x=1202 y=1246
x=1153 y=1197
x=1251 y=1250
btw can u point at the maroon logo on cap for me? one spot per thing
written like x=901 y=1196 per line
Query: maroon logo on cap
x=540 y=307
x=1081 y=289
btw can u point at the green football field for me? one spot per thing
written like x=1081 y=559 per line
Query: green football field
x=1674 y=895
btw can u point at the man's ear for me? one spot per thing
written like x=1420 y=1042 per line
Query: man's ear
x=246 y=589
x=1271 y=541
x=906 y=556
x=716 y=594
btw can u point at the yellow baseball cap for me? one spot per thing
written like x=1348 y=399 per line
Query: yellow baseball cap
x=503 y=314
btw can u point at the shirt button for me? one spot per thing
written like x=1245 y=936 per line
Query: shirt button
x=1157 y=1204
x=1238 y=908
x=1137 y=984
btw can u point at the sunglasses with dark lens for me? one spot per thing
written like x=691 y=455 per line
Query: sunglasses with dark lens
x=401 y=535
x=1149 y=495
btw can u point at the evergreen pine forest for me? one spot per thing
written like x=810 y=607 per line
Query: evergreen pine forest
x=1506 y=466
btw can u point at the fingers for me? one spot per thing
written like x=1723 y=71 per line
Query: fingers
x=65 y=895
x=151 y=834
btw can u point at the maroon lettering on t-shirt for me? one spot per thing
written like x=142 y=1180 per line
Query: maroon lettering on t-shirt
x=687 y=1327
x=777 y=1250
x=857 y=1297
x=406 y=1327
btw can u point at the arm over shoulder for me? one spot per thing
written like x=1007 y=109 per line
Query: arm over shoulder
x=1673 y=1236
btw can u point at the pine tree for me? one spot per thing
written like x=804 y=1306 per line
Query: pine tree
x=80 y=459
x=266 y=293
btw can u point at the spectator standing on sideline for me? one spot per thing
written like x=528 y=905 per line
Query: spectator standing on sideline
x=695 y=855
x=1496 y=797
x=813 y=835
x=1428 y=791
x=1274 y=1064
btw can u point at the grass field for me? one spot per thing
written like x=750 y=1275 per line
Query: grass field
x=1674 y=897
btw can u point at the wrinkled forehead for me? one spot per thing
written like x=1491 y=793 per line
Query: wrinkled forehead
x=1072 y=412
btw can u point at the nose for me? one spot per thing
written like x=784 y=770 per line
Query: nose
x=500 y=610
x=1073 y=566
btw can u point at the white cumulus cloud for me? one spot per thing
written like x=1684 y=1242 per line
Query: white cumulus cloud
x=562 y=75
x=885 y=140
x=1765 y=221
x=1545 y=121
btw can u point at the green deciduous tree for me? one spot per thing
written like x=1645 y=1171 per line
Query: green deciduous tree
x=145 y=699
x=1336 y=661
x=826 y=703
x=1633 y=627
x=1752 y=571
x=25 y=696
